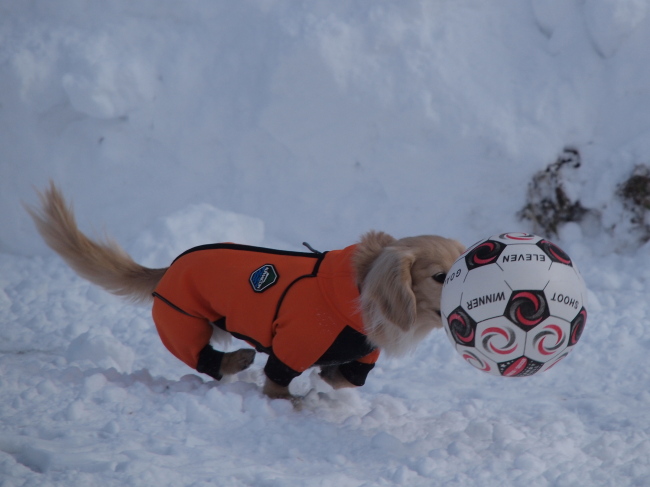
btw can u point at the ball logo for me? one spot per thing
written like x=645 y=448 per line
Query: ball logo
x=263 y=278
x=502 y=341
x=550 y=339
x=476 y=361
x=462 y=327
x=577 y=325
x=524 y=237
x=520 y=367
x=527 y=309
x=484 y=254
x=555 y=253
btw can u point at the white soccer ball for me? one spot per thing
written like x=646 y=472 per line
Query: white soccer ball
x=514 y=305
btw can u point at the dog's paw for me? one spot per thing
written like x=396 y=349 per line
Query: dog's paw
x=332 y=375
x=237 y=361
x=276 y=391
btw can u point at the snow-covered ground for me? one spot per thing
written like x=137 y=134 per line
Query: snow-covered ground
x=272 y=122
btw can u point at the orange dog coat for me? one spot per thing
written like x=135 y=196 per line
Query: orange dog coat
x=300 y=308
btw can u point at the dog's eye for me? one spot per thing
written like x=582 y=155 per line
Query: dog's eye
x=440 y=277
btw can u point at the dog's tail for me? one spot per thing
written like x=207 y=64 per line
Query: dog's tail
x=104 y=263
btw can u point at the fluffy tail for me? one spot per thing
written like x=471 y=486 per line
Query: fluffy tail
x=104 y=263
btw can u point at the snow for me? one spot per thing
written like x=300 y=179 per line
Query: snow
x=272 y=122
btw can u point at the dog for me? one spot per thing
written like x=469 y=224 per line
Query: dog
x=335 y=310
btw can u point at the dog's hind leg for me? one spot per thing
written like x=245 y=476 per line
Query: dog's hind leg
x=188 y=337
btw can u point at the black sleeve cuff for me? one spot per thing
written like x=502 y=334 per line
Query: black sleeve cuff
x=278 y=372
x=210 y=362
x=356 y=372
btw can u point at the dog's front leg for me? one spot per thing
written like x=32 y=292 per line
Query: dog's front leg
x=333 y=376
x=276 y=391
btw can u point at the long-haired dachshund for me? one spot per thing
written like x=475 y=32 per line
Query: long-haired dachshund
x=333 y=309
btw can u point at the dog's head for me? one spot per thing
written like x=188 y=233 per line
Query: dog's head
x=401 y=282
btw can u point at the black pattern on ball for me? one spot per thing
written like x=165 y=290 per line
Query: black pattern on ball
x=483 y=254
x=462 y=327
x=555 y=253
x=527 y=309
x=521 y=367
x=577 y=326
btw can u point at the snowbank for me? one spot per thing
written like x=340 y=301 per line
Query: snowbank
x=273 y=122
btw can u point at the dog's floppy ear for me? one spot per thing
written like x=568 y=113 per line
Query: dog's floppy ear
x=370 y=247
x=389 y=285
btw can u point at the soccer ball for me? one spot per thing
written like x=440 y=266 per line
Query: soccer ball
x=514 y=305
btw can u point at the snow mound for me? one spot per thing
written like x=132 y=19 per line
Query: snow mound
x=93 y=349
x=194 y=225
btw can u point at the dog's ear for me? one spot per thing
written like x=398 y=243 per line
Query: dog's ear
x=389 y=285
x=371 y=245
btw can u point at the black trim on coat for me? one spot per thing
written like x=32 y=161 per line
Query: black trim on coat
x=314 y=273
x=210 y=362
x=249 y=248
x=349 y=345
x=221 y=323
x=356 y=372
x=279 y=372
x=169 y=303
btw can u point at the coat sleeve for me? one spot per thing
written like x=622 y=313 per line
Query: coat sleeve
x=296 y=347
x=279 y=372
x=308 y=332
x=303 y=331
x=357 y=371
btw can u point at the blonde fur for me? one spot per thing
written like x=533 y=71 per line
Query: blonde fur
x=399 y=302
x=105 y=263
